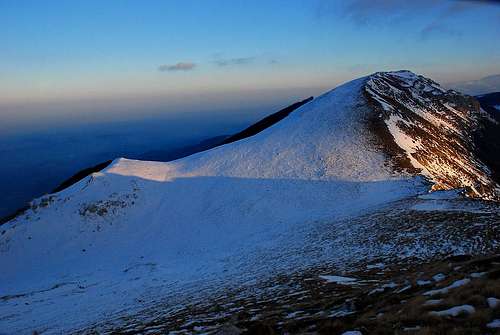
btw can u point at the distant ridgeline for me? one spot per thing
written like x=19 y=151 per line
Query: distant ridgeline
x=266 y=122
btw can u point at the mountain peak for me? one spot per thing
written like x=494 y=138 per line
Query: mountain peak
x=434 y=130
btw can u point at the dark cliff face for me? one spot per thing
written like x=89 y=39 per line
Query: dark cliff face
x=487 y=137
x=443 y=134
x=491 y=104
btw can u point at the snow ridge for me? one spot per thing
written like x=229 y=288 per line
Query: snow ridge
x=231 y=214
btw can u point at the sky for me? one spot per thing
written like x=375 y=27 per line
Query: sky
x=61 y=58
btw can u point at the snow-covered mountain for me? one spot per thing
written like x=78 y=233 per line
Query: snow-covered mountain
x=139 y=234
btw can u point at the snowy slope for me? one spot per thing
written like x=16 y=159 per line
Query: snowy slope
x=140 y=233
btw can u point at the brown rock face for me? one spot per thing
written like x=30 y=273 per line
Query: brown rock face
x=434 y=131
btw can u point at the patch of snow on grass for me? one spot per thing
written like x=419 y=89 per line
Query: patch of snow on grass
x=339 y=279
x=404 y=288
x=293 y=315
x=478 y=274
x=455 y=311
x=494 y=324
x=390 y=285
x=375 y=266
x=446 y=289
x=432 y=302
x=439 y=277
x=493 y=302
x=423 y=282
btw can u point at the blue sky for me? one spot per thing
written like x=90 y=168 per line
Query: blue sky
x=76 y=50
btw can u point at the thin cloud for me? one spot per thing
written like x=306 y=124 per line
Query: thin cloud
x=234 y=61
x=363 y=12
x=439 y=25
x=382 y=13
x=490 y=2
x=438 y=28
x=423 y=20
x=181 y=66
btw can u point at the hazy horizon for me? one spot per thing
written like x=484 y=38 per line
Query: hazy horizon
x=93 y=61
